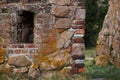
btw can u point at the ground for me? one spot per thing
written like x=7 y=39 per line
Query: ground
x=92 y=72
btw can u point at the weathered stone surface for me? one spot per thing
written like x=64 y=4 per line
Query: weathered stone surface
x=80 y=13
x=4 y=16
x=67 y=43
x=2 y=55
x=63 y=23
x=1 y=41
x=108 y=43
x=4 y=68
x=65 y=72
x=60 y=11
x=48 y=44
x=78 y=49
x=64 y=39
x=52 y=44
x=53 y=61
x=20 y=70
x=33 y=73
x=102 y=59
x=60 y=2
x=47 y=75
x=19 y=61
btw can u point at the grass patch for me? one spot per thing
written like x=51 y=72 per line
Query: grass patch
x=90 y=52
x=92 y=71
x=108 y=72
x=3 y=77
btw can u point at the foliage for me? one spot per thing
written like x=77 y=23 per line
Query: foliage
x=108 y=72
x=95 y=13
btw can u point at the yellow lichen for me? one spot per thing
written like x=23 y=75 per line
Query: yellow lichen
x=4 y=69
x=2 y=55
x=54 y=60
x=102 y=60
x=50 y=45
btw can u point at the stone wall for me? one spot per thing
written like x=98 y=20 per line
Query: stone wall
x=58 y=37
x=108 y=44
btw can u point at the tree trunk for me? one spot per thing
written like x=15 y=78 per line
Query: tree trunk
x=108 y=43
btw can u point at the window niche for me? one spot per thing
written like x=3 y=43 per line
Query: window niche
x=23 y=32
x=12 y=1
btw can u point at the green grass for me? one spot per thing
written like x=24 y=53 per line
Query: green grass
x=92 y=71
x=90 y=52
x=107 y=72
x=3 y=77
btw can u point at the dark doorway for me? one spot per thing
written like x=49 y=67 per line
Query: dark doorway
x=23 y=30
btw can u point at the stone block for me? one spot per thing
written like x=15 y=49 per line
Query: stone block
x=63 y=23
x=60 y=2
x=78 y=22
x=4 y=69
x=54 y=60
x=60 y=11
x=77 y=65
x=80 y=31
x=75 y=57
x=64 y=37
x=20 y=70
x=78 y=49
x=77 y=40
x=78 y=26
x=80 y=13
x=81 y=70
x=19 y=61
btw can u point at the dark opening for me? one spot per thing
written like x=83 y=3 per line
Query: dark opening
x=23 y=30
x=4 y=10
x=11 y=1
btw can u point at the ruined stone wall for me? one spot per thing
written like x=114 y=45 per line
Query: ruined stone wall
x=58 y=37
x=108 y=44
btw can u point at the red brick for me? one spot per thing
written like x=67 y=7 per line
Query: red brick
x=80 y=31
x=18 y=51
x=78 y=26
x=29 y=45
x=74 y=71
x=75 y=57
x=77 y=40
x=79 y=22
x=17 y=45
x=77 y=65
x=69 y=49
x=82 y=7
x=5 y=45
x=81 y=70
x=25 y=51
